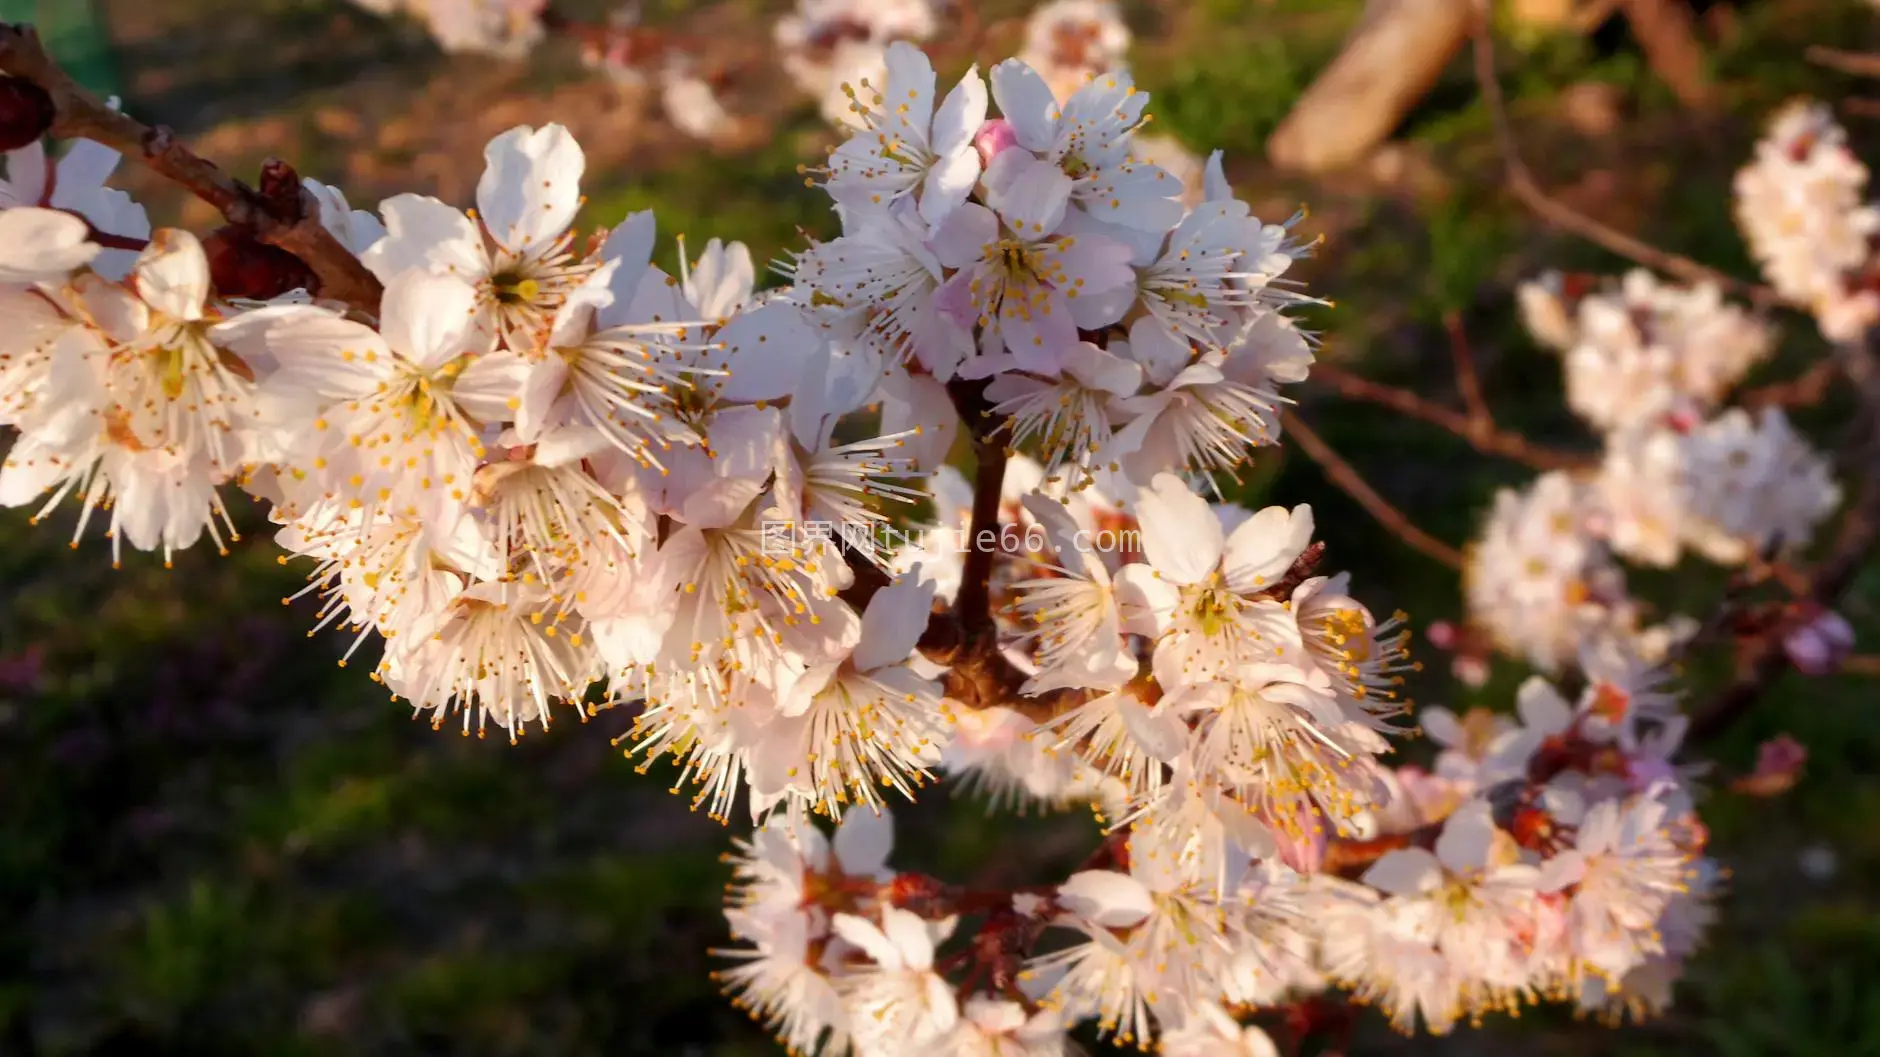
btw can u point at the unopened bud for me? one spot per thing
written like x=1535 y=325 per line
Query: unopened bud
x=1778 y=765
x=241 y=265
x=26 y=112
x=993 y=138
x=1820 y=643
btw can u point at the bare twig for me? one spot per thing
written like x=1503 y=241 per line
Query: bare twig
x=1858 y=63
x=298 y=230
x=1468 y=383
x=1862 y=664
x=1341 y=473
x=1521 y=181
x=1803 y=390
x=1486 y=439
x=1664 y=28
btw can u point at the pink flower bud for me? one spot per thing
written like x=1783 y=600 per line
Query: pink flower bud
x=1644 y=773
x=1442 y=635
x=992 y=139
x=1778 y=765
x=1820 y=644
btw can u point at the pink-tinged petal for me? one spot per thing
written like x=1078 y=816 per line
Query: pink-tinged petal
x=864 y=841
x=744 y=442
x=1442 y=726
x=717 y=503
x=1159 y=732
x=947 y=183
x=85 y=166
x=1145 y=600
x=722 y=280
x=1181 y=537
x=1026 y=101
x=490 y=389
x=630 y=244
x=574 y=320
x=172 y=276
x=767 y=349
x=1161 y=353
x=957 y=304
x=1101 y=369
x=1039 y=337
x=1265 y=546
x=1092 y=264
x=908 y=932
x=1560 y=871
x=864 y=935
x=1467 y=837
x=1405 y=872
x=38 y=245
x=893 y=623
x=1143 y=197
x=429 y=319
x=1029 y=193
x=531 y=186
x=911 y=84
x=961 y=115
x=1541 y=707
x=961 y=239
x=25 y=183
x=1106 y=898
x=1215 y=187
x=422 y=232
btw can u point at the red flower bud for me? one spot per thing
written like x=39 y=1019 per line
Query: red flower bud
x=26 y=112
x=243 y=266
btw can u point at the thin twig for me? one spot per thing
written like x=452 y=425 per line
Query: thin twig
x=1862 y=664
x=1521 y=181
x=1803 y=390
x=1468 y=382
x=82 y=115
x=1341 y=473
x=1858 y=63
x=1486 y=439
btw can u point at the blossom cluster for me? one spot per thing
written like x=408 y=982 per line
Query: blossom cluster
x=486 y=27
x=1650 y=366
x=1801 y=205
x=1568 y=864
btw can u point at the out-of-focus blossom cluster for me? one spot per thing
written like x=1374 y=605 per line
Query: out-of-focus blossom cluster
x=1651 y=366
x=1802 y=205
x=827 y=45
x=507 y=28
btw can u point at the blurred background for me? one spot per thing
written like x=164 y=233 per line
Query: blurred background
x=213 y=841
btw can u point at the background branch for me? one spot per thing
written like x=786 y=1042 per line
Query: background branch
x=1484 y=436
x=293 y=226
x=1521 y=181
x=1341 y=473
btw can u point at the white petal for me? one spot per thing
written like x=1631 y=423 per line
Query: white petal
x=422 y=232
x=1029 y=193
x=893 y=623
x=1405 y=872
x=908 y=933
x=1467 y=836
x=428 y=319
x=864 y=841
x=38 y=245
x=1265 y=546
x=1180 y=535
x=1026 y=101
x=531 y=186
x=1106 y=898
x=864 y=934
x=962 y=237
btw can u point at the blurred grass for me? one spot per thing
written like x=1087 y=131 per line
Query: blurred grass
x=215 y=842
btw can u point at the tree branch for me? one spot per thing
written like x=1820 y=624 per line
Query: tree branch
x=1858 y=63
x=973 y=604
x=1468 y=382
x=1341 y=473
x=1663 y=29
x=1485 y=437
x=1803 y=390
x=1521 y=181
x=294 y=227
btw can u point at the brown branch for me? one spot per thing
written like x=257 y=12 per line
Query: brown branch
x=298 y=230
x=1858 y=63
x=1484 y=437
x=1764 y=661
x=1522 y=183
x=1803 y=390
x=1468 y=382
x=1664 y=29
x=1862 y=664
x=1341 y=473
x=973 y=604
